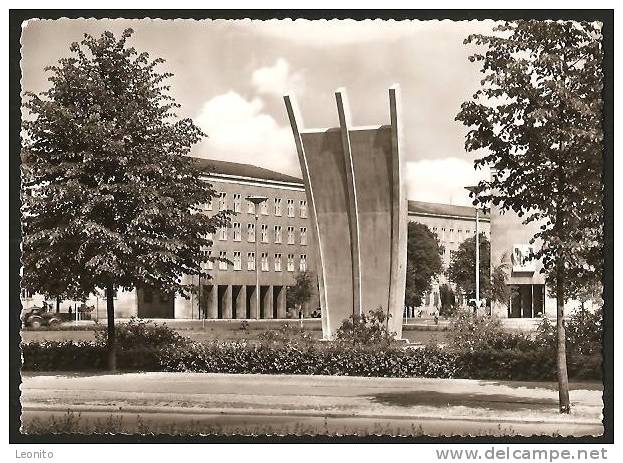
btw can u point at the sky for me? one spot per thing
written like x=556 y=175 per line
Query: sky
x=230 y=77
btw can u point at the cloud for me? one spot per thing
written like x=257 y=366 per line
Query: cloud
x=277 y=79
x=238 y=131
x=442 y=180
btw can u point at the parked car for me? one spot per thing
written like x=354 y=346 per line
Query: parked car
x=37 y=317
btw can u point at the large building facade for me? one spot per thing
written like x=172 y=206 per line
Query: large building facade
x=279 y=242
x=452 y=225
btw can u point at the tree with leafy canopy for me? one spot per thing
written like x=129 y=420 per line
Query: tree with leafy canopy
x=110 y=199
x=500 y=289
x=302 y=290
x=463 y=263
x=537 y=121
x=423 y=262
x=447 y=300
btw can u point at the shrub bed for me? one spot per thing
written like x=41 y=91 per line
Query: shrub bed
x=478 y=350
x=265 y=358
x=310 y=360
x=518 y=365
x=86 y=356
x=235 y=357
x=507 y=364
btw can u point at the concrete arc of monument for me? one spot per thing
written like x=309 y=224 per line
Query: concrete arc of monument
x=295 y=118
x=399 y=213
x=343 y=111
x=356 y=190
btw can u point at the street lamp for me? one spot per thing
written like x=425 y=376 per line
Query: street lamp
x=257 y=200
x=473 y=189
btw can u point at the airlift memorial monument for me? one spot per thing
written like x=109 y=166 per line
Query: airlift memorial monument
x=355 y=185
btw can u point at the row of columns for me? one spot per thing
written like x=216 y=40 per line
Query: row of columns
x=240 y=302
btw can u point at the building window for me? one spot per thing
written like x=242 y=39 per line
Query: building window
x=278 y=207
x=443 y=235
x=250 y=261
x=222 y=204
x=209 y=236
x=237 y=232
x=207 y=264
x=303 y=208
x=290 y=235
x=222 y=265
x=264 y=233
x=290 y=208
x=451 y=238
x=303 y=235
x=237 y=202
x=251 y=233
x=222 y=233
x=277 y=234
x=250 y=207
x=264 y=262
x=237 y=260
x=208 y=205
x=303 y=263
x=264 y=208
x=290 y=262
x=278 y=262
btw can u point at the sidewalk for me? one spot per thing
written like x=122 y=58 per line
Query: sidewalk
x=322 y=396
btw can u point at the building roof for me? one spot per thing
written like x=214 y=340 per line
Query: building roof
x=217 y=167
x=212 y=166
x=448 y=210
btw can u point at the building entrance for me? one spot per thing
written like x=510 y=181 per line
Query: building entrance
x=527 y=301
x=154 y=304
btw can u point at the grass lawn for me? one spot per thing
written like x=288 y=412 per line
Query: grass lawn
x=218 y=330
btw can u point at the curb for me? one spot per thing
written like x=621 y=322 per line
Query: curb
x=279 y=412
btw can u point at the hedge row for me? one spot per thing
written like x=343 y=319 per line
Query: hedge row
x=86 y=356
x=535 y=365
x=237 y=357
x=310 y=360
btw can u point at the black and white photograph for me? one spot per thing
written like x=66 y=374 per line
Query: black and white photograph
x=312 y=228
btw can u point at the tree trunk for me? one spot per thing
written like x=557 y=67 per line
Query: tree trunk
x=563 y=379
x=58 y=304
x=111 y=342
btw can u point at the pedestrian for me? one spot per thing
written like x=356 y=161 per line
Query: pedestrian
x=436 y=316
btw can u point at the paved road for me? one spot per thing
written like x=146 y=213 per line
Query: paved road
x=194 y=402
x=245 y=424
